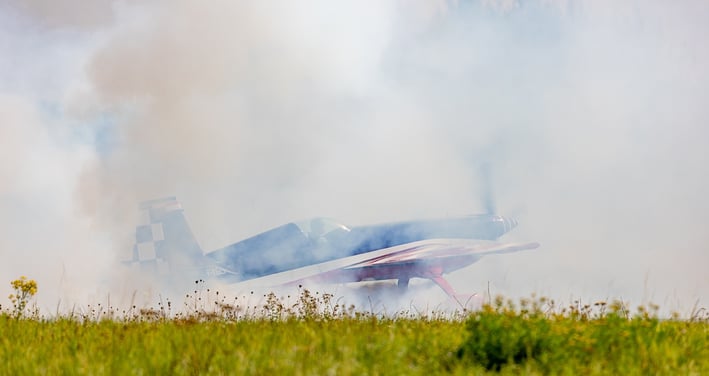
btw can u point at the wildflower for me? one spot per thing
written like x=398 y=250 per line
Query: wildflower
x=24 y=290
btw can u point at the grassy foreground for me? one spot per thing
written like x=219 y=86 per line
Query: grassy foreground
x=533 y=337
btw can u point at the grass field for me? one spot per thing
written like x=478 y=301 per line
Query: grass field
x=315 y=336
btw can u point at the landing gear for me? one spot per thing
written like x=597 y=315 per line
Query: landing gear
x=403 y=284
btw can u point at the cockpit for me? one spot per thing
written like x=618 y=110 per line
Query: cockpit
x=321 y=227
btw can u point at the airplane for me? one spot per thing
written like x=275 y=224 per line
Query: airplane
x=319 y=250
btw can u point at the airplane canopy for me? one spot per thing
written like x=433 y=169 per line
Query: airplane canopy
x=320 y=227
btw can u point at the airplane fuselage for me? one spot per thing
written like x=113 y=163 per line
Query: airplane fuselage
x=295 y=245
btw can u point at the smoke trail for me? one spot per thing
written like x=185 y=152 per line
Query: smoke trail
x=254 y=114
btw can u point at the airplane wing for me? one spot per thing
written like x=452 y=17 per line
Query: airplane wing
x=422 y=259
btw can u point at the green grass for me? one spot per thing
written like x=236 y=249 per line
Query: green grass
x=596 y=339
x=348 y=346
x=315 y=337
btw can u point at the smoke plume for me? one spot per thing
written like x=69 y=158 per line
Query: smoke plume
x=590 y=114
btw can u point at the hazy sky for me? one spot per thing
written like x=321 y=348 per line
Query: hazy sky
x=592 y=114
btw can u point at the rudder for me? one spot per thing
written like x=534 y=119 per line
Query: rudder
x=164 y=243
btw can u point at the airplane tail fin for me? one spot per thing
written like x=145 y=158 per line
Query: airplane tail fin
x=164 y=243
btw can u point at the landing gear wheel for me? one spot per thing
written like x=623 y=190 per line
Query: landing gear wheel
x=403 y=284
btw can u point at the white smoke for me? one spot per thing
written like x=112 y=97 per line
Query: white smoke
x=590 y=113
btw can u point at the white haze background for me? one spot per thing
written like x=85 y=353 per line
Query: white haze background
x=592 y=114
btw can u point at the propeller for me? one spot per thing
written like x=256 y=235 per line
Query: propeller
x=486 y=182
x=488 y=201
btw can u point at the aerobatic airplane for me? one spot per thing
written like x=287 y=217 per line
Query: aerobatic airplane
x=319 y=250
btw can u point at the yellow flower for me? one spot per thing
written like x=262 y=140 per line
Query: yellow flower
x=24 y=290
